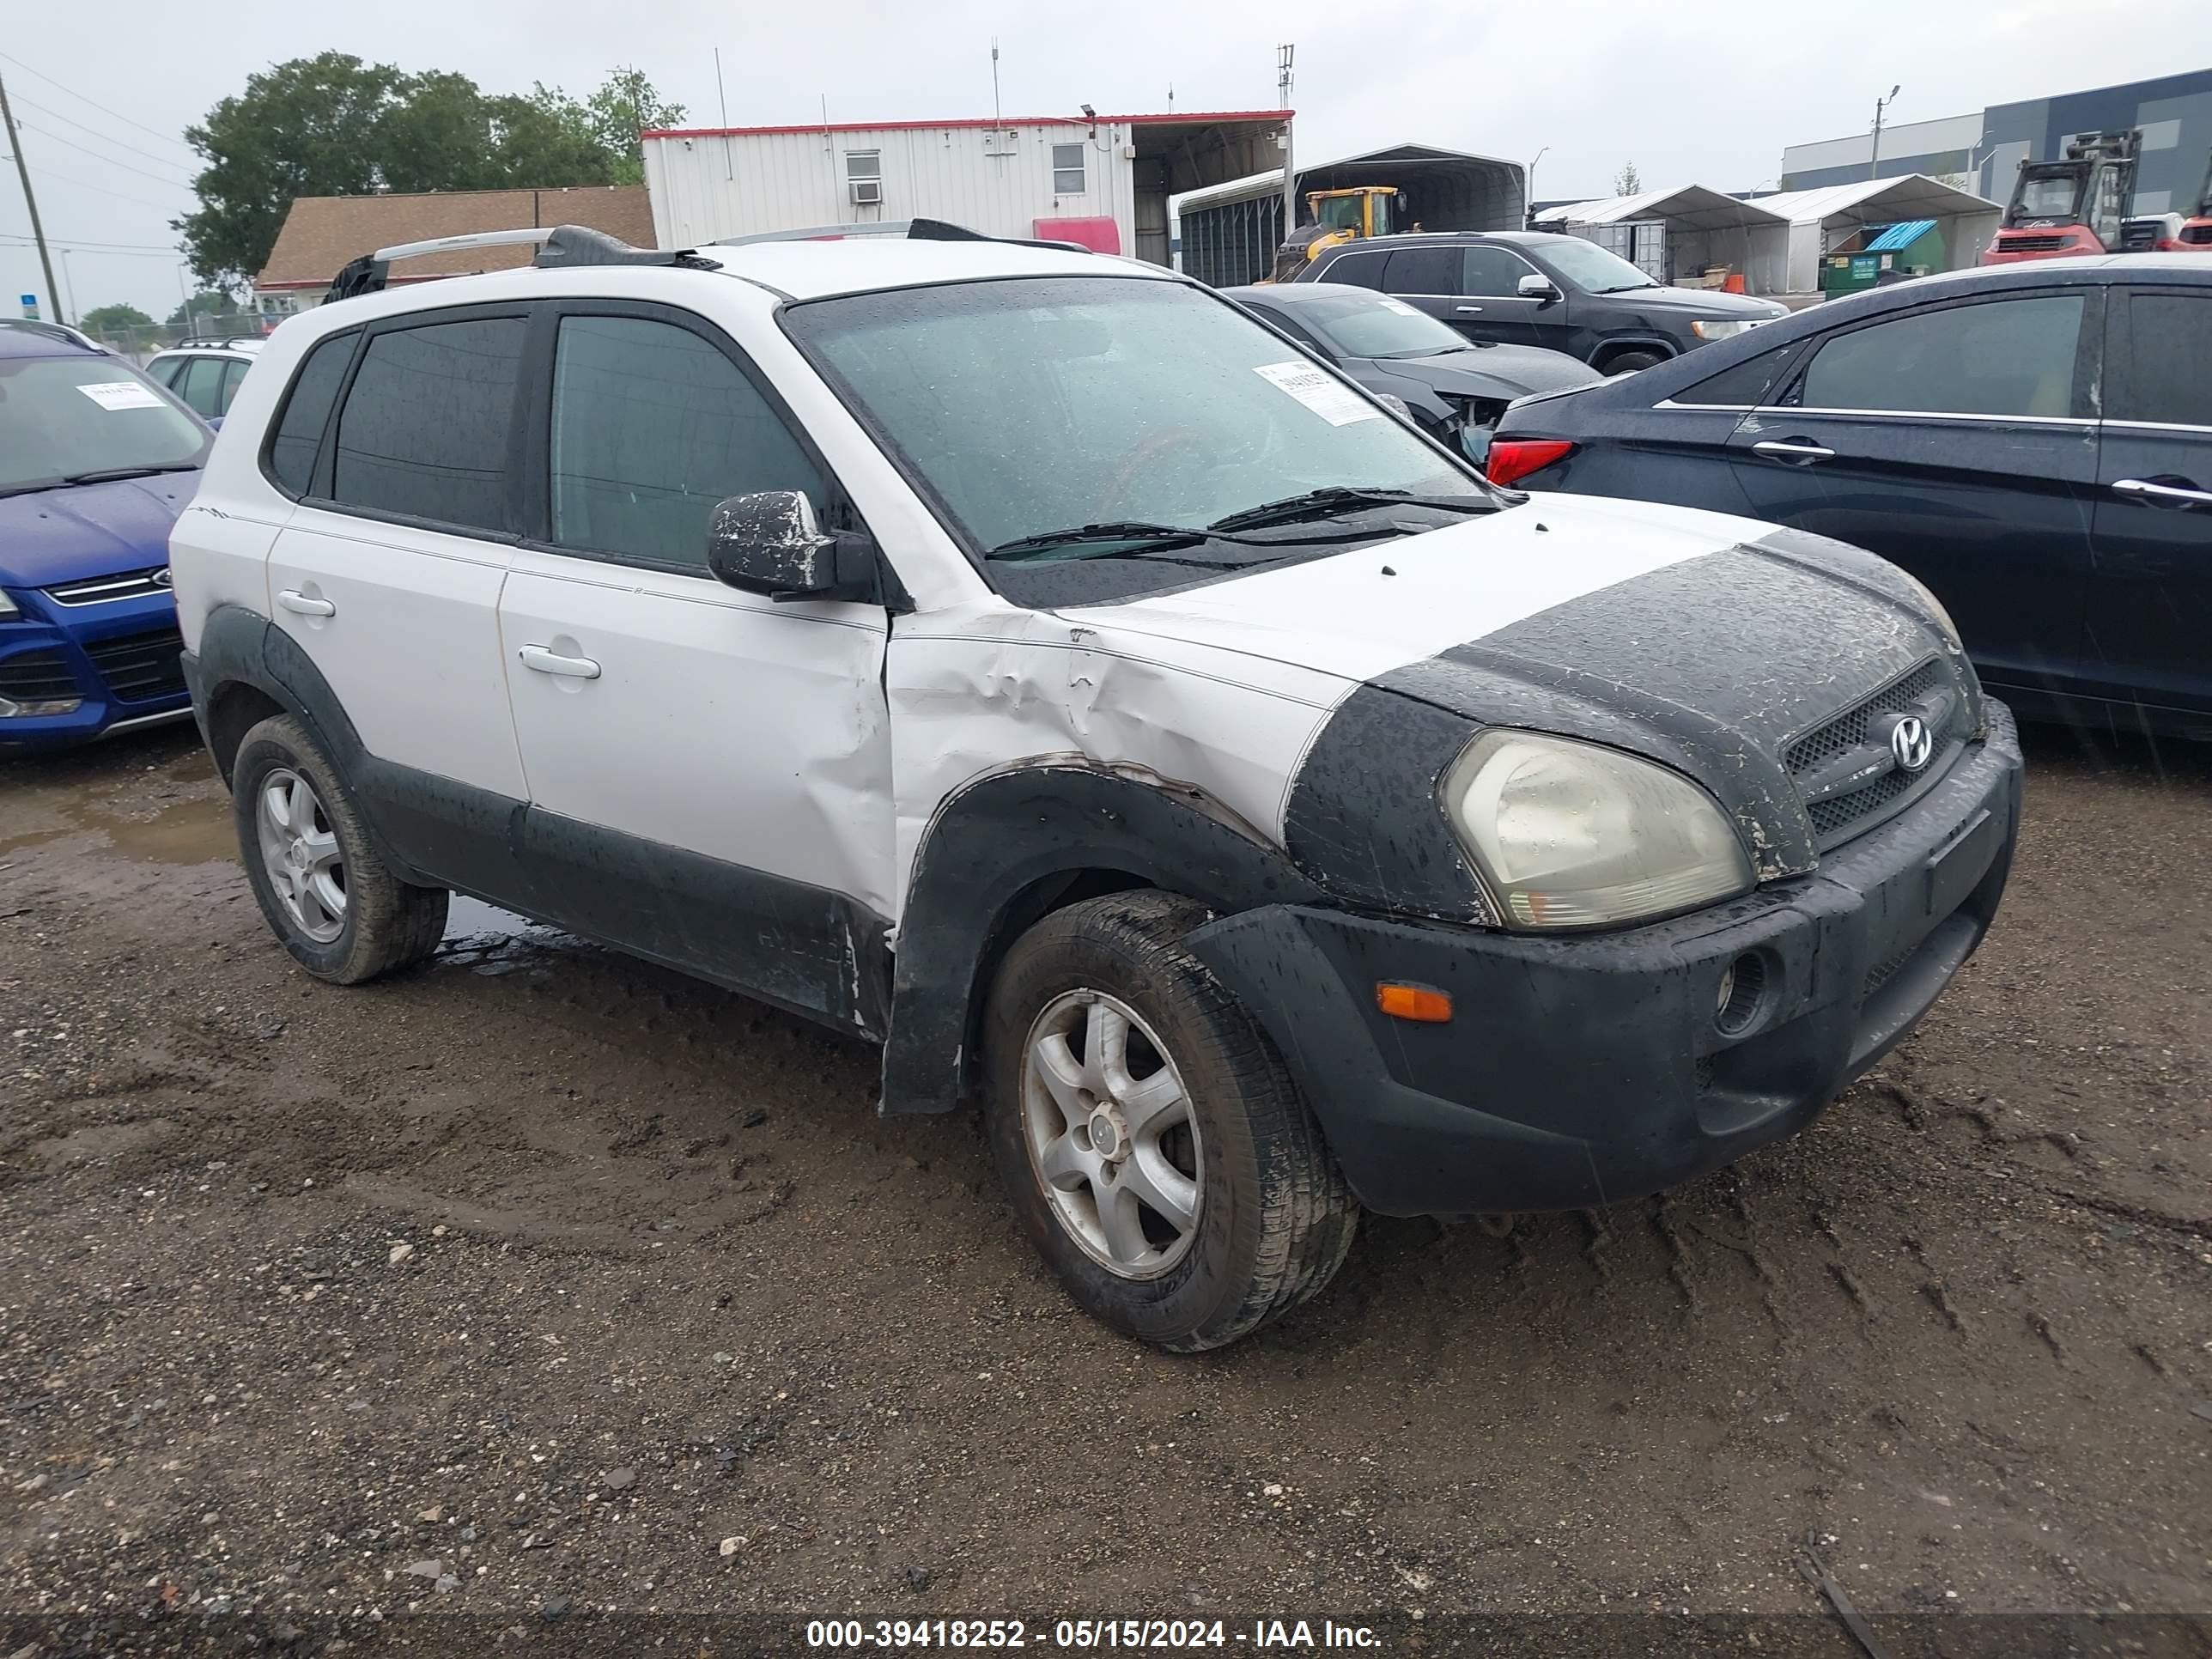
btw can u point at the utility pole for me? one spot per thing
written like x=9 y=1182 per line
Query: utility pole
x=1283 y=56
x=23 y=173
x=1873 y=165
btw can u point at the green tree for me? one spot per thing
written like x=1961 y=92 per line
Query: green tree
x=208 y=302
x=1627 y=181
x=111 y=319
x=332 y=126
x=626 y=105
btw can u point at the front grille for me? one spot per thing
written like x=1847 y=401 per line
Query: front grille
x=2199 y=235
x=1879 y=974
x=1837 y=818
x=141 y=666
x=104 y=590
x=2011 y=243
x=36 y=677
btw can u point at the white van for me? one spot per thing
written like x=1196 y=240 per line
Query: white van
x=1025 y=661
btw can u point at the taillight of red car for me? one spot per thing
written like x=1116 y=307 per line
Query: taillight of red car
x=1512 y=459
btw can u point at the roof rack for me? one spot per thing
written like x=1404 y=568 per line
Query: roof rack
x=559 y=246
x=219 y=340
x=61 y=331
x=912 y=230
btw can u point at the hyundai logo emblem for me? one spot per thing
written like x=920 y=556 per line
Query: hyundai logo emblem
x=1912 y=742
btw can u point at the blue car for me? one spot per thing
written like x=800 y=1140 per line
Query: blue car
x=96 y=461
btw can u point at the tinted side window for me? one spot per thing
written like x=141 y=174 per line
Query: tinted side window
x=424 y=430
x=1494 y=270
x=2170 y=337
x=1746 y=383
x=652 y=427
x=2003 y=357
x=1362 y=269
x=201 y=386
x=168 y=373
x=233 y=373
x=1423 y=270
x=307 y=412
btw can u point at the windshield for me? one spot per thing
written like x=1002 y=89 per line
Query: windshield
x=1590 y=267
x=1034 y=406
x=2051 y=196
x=1362 y=324
x=64 y=417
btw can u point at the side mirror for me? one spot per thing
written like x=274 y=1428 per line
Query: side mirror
x=769 y=543
x=1540 y=288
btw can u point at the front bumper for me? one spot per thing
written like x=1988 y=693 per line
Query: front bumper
x=118 y=661
x=1582 y=1071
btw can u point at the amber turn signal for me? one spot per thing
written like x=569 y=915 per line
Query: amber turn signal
x=1414 y=1002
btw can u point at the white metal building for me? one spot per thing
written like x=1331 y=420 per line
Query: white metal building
x=1101 y=181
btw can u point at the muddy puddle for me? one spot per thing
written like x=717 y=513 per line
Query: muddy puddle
x=166 y=807
x=485 y=940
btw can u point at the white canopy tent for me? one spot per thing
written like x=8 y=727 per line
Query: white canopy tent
x=1820 y=219
x=1705 y=227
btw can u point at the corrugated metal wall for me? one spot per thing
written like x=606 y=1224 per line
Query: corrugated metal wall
x=995 y=180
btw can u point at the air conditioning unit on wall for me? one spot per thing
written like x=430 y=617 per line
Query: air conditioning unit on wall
x=868 y=192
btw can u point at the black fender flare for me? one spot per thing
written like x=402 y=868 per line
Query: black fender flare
x=1633 y=340
x=1010 y=847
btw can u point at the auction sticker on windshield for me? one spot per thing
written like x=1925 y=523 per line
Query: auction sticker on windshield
x=121 y=394
x=1327 y=397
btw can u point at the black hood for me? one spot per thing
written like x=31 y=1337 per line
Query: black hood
x=1721 y=667
x=1499 y=371
x=1699 y=302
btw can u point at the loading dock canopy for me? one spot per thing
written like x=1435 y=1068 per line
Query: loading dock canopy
x=1705 y=227
x=1821 y=219
x=1692 y=207
x=1205 y=150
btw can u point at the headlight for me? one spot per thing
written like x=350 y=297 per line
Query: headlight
x=1395 y=403
x=7 y=610
x=1921 y=592
x=1719 y=330
x=1572 y=834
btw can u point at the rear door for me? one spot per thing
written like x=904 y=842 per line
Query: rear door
x=387 y=576
x=1958 y=439
x=1436 y=279
x=2150 y=603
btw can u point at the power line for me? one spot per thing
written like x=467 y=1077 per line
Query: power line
x=93 y=251
x=158 y=160
x=151 y=132
x=85 y=184
x=174 y=184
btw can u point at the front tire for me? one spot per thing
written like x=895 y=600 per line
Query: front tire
x=1155 y=1147
x=314 y=868
x=1628 y=362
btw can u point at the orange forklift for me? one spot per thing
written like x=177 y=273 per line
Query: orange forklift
x=2075 y=205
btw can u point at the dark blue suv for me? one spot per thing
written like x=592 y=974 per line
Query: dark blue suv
x=95 y=462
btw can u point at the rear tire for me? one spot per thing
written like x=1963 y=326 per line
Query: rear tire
x=1186 y=1235
x=314 y=867
x=1628 y=362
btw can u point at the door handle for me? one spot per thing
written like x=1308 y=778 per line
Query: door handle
x=299 y=604
x=2143 y=490
x=1470 y=310
x=1793 y=449
x=537 y=657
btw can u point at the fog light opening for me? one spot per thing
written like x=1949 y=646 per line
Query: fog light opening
x=1742 y=990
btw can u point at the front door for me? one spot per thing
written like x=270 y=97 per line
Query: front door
x=2150 y=606
x=387 y=576
x=709 y=771
x=1957 y=441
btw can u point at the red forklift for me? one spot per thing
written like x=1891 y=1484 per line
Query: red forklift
x=2076 y=205
x=2195 y=235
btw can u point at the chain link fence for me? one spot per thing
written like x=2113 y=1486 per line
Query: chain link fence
x=140 y=341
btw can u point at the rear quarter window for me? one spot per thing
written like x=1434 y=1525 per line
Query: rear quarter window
x=1745 y=384
x=299 y=434
x=2169 y=378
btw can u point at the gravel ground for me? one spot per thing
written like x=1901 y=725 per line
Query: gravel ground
x=541 y=1288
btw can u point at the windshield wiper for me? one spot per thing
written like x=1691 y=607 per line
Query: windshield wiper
x=116 y=474
x=1625 y=288
x=1333 y=498
x=1155 y=536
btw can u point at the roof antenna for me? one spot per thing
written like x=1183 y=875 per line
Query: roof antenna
x=994 y=83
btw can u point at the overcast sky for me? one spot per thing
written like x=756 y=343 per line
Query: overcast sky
x=1709 y=92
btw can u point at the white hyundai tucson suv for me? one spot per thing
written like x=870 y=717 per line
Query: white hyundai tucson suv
x=1026 y=662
